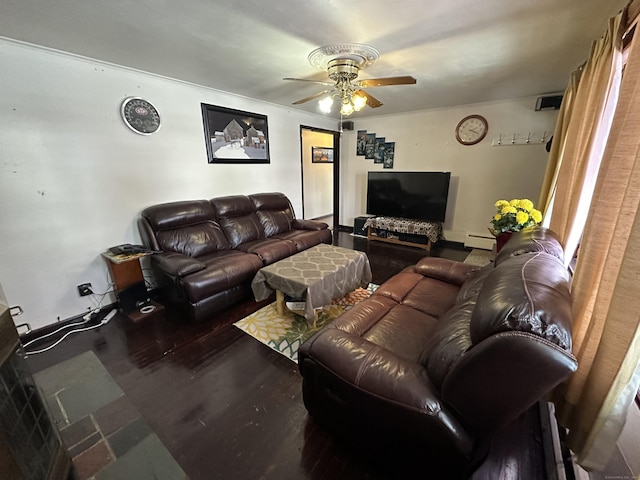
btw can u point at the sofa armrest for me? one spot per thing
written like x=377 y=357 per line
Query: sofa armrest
x=300 y=224
x=176 y=264
x=384 y=389
x=371 y=368
x=507 y=373
x=449 y=271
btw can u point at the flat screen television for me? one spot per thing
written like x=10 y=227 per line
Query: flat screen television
x=411 y=195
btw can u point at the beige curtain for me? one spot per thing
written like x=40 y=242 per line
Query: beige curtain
x=587 y=130
x=606 y=290
x=558 y=143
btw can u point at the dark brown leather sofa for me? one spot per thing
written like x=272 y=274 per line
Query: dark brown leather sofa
x=210 y=250
x=442 y=356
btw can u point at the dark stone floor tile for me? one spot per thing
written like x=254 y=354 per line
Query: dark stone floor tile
x=57 y=416
x=116 y=415
x=78 y=431
x=149 y=460
x=59 y=376
x=85 y=444
x=87 y=396
x=128 y=437
x=82 y=384
x=88 y=463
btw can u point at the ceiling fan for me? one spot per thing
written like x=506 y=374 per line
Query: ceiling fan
x=343 y=63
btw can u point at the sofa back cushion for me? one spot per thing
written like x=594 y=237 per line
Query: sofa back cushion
x=237 y=216
x=194 y=240
x=452 y=336
x=520 y=332
x=525 y=293
x=274 y=211
x=449 y=342
x=529 y=240
x=186 y=227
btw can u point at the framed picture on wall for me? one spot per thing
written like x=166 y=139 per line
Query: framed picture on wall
x=361 y=141
x=389 y=153
x=369 y=146
x=234 y=136
x=321 y=155
x=378 y=150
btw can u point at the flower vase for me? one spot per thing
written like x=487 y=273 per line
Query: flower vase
x=501 y=239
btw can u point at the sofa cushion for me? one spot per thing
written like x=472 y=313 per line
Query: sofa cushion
x=471 y=288
x=224 y=270
x=274 y=222
x=401 y=314
x=530 y=240
x=450 y=340
x=166 y=216
x=403 y=331
x=444 y=269
x=274 y=211
x=394 y=327
x=428 y=295
x=269 y=250
x=176 y=264
x=237 y=216
x=193 y=240
x=528 y=293
x=304 y=239
x=302 y=224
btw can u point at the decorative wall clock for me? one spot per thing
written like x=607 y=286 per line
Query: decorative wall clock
x=472 y=129
x=140 y=115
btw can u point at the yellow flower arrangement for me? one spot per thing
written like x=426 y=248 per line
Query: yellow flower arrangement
x=514 y=215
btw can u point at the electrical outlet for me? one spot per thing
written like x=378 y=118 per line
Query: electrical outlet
x=85 y=289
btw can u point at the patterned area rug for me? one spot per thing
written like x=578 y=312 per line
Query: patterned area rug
x=285 y=333
x=480 y=257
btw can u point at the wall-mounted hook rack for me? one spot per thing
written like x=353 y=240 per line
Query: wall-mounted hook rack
x=529 y=138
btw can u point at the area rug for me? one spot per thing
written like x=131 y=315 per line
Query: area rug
x=480 y=257
x=285 y=333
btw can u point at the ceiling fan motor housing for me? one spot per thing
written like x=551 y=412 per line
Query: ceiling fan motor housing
x=343 y=69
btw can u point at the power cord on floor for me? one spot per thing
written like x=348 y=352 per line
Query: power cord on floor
x=104 y=321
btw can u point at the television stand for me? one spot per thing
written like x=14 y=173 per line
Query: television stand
x=403 y=231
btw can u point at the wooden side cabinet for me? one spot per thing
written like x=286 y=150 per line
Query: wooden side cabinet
x=130 y=288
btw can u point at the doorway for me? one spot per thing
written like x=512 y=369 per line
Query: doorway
x=320 y=185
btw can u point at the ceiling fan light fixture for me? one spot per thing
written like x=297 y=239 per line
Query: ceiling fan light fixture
x=343 y=62
x=325 y=104
x=358 y=102
x=346 y=108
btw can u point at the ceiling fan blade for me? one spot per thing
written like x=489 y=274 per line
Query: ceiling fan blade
x=310 y=81
x=381 y=82
x=372 y=101
x=312 y=97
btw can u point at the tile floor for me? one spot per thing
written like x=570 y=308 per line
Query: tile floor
x=103 y=432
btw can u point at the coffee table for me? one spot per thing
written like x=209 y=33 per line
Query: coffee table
x=319 y=274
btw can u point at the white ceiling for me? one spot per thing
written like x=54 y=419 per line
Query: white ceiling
x=460 y=52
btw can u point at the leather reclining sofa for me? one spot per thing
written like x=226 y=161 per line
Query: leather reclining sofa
x=443 y=355
x=210 y=250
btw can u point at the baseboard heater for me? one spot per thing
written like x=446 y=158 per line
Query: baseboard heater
x=479 y=240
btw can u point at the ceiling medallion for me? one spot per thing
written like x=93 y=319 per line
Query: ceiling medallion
x=362 y=55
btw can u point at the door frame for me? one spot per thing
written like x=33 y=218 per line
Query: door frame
x=336 y=170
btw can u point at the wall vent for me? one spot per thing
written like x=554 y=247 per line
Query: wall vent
x=485 y=241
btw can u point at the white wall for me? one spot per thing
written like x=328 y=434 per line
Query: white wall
x=480 y=174
x=73 y=177
x=318 y=177
x=629 y=441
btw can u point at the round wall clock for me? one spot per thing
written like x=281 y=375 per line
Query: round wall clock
x=140 y=115
x=472 y=129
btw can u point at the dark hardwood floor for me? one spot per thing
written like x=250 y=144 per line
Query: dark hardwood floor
x=228 y=407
